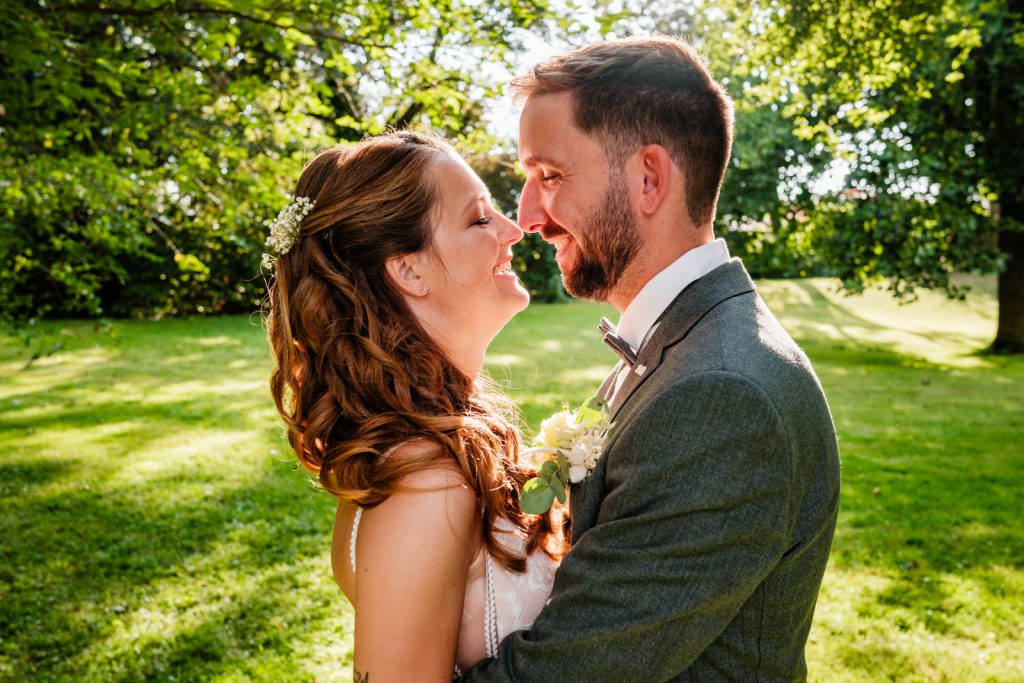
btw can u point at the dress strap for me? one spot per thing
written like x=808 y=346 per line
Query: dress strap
x=352 y=538
x=490 y=609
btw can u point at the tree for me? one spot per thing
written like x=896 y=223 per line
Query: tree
x=875 y=141
x=144 y=143
x=924 y=104
x=757 y=208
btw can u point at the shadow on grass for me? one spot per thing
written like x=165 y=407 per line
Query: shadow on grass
x=113 y=573
x=810 y=314
x=930 y=503
x=18 y=477
x=82 y=567
x=191 y=568
x=129 y=388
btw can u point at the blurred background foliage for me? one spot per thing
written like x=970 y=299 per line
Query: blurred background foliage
x=144 y=144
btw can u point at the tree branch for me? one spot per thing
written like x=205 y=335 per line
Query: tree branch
x=175 y=10
x=219 y=80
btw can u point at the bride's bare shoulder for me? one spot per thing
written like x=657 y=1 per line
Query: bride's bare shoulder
x=432 y=500
x=442 y=474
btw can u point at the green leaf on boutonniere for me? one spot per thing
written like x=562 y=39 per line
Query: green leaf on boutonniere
x=537 y=496
x=540 y=492
x=592 y=411
x=548 y=469
x=563 y=467
x=558 y=487
x=571 y=442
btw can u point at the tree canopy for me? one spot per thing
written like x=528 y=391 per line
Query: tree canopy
x=922 y=104
x=876 y=142
x=143 y=144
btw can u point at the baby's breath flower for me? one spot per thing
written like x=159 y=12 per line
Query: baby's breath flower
x=284 y=230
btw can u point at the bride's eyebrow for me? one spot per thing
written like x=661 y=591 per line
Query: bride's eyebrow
x=472 y=205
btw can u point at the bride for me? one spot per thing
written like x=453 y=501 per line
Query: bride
x=391 y=275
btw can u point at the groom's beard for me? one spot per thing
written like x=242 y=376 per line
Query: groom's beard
x=613 y=240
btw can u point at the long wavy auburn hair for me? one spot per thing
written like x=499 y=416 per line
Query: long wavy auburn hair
x=356 y=374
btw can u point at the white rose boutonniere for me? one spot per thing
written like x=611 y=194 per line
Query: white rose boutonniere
x=571 y=442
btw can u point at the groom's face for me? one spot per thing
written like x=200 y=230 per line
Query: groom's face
x=575 y=199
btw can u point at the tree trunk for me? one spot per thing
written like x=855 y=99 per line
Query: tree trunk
x=1010 y=333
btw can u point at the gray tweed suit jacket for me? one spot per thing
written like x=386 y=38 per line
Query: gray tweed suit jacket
x=700 y=539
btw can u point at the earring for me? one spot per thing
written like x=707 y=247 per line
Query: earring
x=423 y=290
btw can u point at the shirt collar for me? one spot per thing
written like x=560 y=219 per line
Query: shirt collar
x=647 y=306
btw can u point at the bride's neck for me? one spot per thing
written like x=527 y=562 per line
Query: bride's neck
x=464 y=344
x=468 y=355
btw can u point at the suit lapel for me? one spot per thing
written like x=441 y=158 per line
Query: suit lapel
x=608 y=385
x=692 y=304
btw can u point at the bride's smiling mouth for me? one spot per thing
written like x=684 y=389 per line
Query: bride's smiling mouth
x=504 y=268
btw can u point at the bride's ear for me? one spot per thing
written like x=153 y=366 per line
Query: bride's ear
x=404 y=272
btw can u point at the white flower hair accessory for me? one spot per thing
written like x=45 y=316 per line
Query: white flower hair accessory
x=284 y=230
x=572 y=443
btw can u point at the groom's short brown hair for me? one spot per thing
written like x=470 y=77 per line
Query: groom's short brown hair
x=638 y=91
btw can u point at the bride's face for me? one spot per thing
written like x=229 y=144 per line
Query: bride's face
x=468 y=267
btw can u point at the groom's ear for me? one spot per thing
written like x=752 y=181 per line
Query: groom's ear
x=654 y=167
x=404 y=273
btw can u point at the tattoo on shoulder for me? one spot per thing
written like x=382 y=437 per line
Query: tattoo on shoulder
x=361 y=677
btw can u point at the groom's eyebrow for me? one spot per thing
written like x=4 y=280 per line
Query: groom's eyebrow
x=538 y=160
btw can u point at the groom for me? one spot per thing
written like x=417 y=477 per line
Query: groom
x=700 y=538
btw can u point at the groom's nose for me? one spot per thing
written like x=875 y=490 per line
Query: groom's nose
x=531 y=215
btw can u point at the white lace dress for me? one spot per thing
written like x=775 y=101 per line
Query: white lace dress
x=497 y=601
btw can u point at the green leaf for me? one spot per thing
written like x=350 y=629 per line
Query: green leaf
x=188 y=263
x=591 y=411
x=563 y=467
x=558 y=486
x=548 y=469
x=537 y=497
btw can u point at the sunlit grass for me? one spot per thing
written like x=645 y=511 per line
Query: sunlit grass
x=154 y=526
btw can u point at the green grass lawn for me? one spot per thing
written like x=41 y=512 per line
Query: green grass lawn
x=154 y=526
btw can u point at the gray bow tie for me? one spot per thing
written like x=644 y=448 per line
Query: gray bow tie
x=618 y=344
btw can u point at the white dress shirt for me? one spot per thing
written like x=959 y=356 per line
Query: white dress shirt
x=639 y=319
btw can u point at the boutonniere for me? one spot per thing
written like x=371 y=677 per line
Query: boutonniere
x=571 y=443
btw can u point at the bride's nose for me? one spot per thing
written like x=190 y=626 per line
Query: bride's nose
x=508 y=231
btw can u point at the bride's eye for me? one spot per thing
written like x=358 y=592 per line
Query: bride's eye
x=483 y=220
